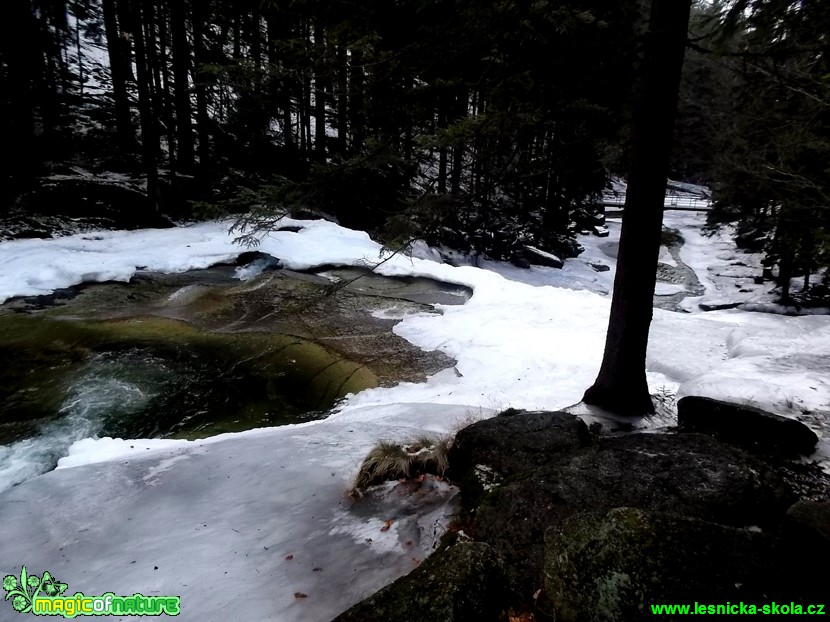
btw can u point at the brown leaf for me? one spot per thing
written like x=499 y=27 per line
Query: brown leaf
x=288 y=558
x=387 y=525
x=299 y=595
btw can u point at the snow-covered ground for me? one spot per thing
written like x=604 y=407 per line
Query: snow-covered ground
x=257 y=525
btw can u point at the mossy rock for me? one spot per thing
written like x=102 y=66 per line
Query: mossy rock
x=462 y=583
x=609 y=567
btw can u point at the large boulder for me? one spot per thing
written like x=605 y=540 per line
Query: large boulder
x=538 y=257
x=464 y=582
x=751 y=428
x=689 y=474
x=516 y=442
x=805 y=547
x=611 y=566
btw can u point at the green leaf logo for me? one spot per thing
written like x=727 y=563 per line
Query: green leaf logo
x=21 y=592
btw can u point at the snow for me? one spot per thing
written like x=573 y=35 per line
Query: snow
x=239 y=523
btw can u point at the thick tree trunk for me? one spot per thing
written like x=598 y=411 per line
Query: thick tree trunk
x=149 y=134
x=281 y=85
x=19 y=54
x=118 y=48
x=621 y=384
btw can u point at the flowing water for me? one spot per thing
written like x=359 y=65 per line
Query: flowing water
x=195 y=355
x=107 y=393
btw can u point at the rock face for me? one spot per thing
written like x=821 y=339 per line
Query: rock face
x=609 y=567
x=462 y=583
x=689 y=474
x=751 y=428
x=516 y=442
x=805 y=545
x=609 y=526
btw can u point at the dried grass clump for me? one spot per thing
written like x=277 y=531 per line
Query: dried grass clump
x=390 y=460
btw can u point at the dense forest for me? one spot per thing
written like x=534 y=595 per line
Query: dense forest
x=481 y=126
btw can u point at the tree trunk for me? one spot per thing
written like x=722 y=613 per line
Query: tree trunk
x=17 y=42
x=149 y=135
x=621 y=385
x=181 y=81
x=458 y=148
x=118 y=48
x=320 y=93
x=356 y=82
x=202 y=118
x=342 y=100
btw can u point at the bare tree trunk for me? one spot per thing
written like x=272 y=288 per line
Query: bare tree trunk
x=356 y=82
x=149 y=135
x=320 y=85
x=342 y=100
x=621 y=384
x=202 y=118
x=19 y=53
x=118 y=48
x=181 y=81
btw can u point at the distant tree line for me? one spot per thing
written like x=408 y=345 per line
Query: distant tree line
x=478 y=125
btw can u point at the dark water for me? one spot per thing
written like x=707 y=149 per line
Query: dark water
x=143 y=393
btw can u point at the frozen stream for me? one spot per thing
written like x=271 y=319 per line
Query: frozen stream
x=257 y=525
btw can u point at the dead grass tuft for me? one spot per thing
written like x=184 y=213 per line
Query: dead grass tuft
x=389 y=460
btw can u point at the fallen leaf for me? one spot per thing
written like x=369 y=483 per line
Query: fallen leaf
x=288 y=558
x=387 y=525
x=316 y=570
x=300 y=595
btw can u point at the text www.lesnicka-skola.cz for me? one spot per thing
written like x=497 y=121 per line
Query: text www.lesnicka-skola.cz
x=739 y=609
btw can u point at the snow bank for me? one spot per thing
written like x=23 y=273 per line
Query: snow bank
x=239 y=524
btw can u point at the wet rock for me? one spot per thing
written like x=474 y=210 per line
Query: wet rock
x=611 y=566
x=539 y=257
x=462 y=583
x=804 y=547
x=751 y=428
x=516 y=441
x=718 y=305
x=813 y=515
x=249 y=257
x=598 y=267
x=689 y=474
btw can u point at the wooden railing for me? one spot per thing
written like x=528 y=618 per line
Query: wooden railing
x=673 y=202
